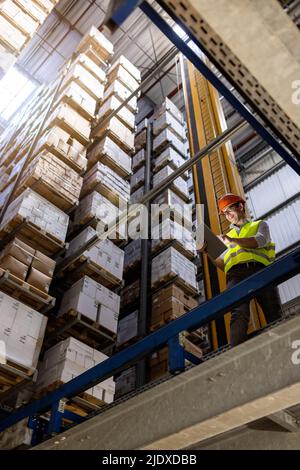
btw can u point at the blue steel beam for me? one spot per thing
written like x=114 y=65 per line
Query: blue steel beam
x=217 y=83
x=272 y=275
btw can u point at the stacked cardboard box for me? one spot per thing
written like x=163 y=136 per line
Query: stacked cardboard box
x=169 y=304
x=132 y=254
x=50 y=186
x=27 y=264
x=67 y=360
x=39 y=211
x=125 y=382
x=22 y=332
x=175 y=262
x=19 y=20
x=104 y=254
x=170 y=264
x=127 y=328
x=107 y=182
x=93 y=301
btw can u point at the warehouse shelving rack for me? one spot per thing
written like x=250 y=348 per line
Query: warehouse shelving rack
x=276 y=273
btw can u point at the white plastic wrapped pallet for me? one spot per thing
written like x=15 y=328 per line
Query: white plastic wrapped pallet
x=40 y=212
x=104 y=254
x=172 y=263
x=22 y=332
x=84 y=290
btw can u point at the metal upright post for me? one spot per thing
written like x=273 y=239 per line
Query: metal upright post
x=145 y=267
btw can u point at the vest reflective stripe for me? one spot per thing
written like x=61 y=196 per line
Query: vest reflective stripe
x=237 y=255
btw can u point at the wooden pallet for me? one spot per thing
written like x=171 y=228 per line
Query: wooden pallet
x=24 y=292
x=27 y=230
x=13 y=374
x=162 y=244
x=84 y=112
x=51 y=193
x=60 y=122
x=91 y=221
x=121 y=143
x=82 y=404
x=107 y=160
x=84 y=266
x=81 y=327
x=62 y=156
x=105 y=191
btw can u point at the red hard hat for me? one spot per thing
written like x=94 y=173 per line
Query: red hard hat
x=228 y=200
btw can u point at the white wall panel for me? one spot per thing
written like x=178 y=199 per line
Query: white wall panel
x=290 y=289
x=272 y=191
x=285 y=225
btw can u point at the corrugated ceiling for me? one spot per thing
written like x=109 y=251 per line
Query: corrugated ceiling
x=138 y=39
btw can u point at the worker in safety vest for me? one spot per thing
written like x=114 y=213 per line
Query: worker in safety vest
x=249 y=250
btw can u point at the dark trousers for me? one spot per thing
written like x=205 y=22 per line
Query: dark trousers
x=268 y=299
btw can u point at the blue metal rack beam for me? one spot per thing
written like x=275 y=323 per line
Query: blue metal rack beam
x=219 y=305
x=217 y=83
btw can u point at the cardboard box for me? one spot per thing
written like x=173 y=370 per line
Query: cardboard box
x=132 y=253
x=20 y=251
x=172 y=109
x=92 y=85
x=120 y=73
x=166 y=120
x=86 y=288
x=108 y=152
x=137 y=195
x=71 y=358
x=171 y=263
x=56 y=176
x=21 y=19
x=22 y=330
x=127 y=328
x=93 y=68
x=95 y=205
x=43 y=263
x=180 y=185
x=71 y=121
x=107 y=182
x=172 y=230
x=140 y=139
x=169 y=304
x=110 y=105
x=176 y=205
x=40 y=212
x=71 y=349
x=138 y=159
x=98 y=43
x=61 y=144
x=122 y=93
x=126 y=382
x=104 y=254
x=79 y=98
x=170 y=157
x=166 y=138
x=128 y=66
x=38 y=279
x=138 y=178
x=130 y=293
x=14 y=266
x=12 y=37
x=118 y=132
x=33 y=9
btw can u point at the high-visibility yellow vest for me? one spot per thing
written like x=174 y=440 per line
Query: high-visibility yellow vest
x=237 y=255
